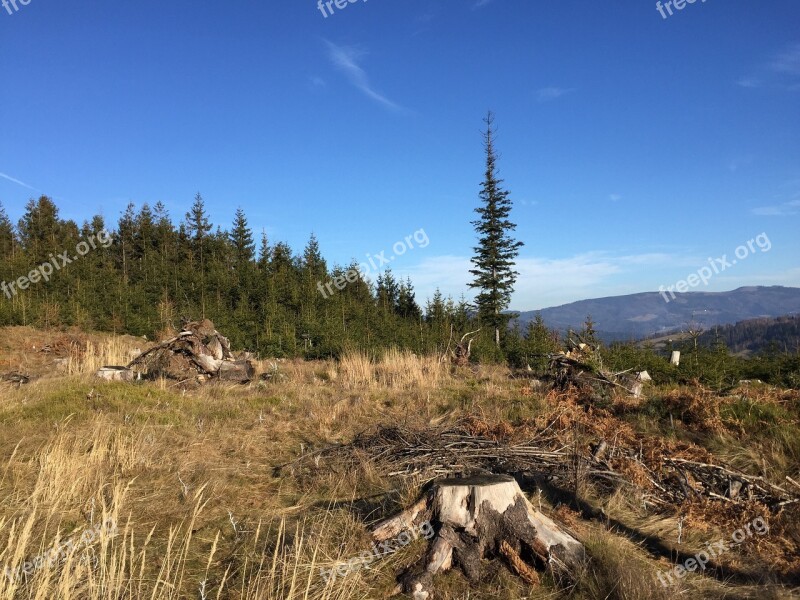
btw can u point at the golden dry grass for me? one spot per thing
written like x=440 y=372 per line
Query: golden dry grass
x=188 y=479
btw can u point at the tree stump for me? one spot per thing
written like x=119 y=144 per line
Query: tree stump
x=479 y=519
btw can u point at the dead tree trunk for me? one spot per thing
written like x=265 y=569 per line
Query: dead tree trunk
x=459 y=356
x=482 y=518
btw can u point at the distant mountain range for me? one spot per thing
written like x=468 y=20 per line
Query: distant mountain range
x=647 y=314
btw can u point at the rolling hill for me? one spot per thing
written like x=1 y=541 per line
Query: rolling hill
x=638 y=316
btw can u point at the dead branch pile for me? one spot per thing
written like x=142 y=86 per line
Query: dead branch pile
x=581 y=368
x=15 y=378
x=199 y=352
x=550 y=453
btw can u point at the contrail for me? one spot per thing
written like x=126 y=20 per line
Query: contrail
x=18 y=182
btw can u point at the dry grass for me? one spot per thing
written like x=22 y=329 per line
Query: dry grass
x=395 y=369
x=87 y=358
x=188 y=479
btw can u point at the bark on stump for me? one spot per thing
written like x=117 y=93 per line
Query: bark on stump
x=478 y=519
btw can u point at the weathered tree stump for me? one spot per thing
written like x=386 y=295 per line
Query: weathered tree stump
x=116 y=374
x=478 y=519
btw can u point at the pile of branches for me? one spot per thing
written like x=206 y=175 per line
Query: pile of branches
x=427 y=454
x=15 y=378
x=198 y=353
x=581 y=367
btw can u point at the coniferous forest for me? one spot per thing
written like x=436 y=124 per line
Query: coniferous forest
x=158 y=270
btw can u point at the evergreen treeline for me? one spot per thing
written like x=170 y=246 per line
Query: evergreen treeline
x=263 y=295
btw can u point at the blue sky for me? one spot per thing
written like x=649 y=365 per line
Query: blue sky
x=634 y=147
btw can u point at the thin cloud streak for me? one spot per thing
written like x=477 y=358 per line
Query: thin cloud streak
x=346 y=59
x=18 y=182
x=788 y=61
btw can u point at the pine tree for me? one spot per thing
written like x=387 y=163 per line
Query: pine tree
x=314 y=265
x=40 y=229
x=407 y=306
x=387 y=291
x=588 y=334
x=241 y=239
x=496 y=251
x=540 y=342
x=264 y=253
x=314 y=271
x=435 y=309
x=198 y=227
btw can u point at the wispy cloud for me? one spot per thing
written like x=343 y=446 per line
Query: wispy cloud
x=788 y=61
x=481 y=3
x=615 y=197
x=18 y=182
x=748 y=82
x=346 y=59
x=778 y=210
x=781 y=71
x=551 y=93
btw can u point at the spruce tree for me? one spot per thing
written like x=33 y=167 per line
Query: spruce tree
x=241 y=238
x=496 y=250
x=40 y=229
x=198 y=227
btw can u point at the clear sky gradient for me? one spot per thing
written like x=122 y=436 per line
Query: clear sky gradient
x=634 y=147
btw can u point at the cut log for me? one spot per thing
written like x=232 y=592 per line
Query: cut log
x=215 y=348
x=239 y=371
x=401 y=522
x=208 y=363
x=116 y=374
x=483 y=518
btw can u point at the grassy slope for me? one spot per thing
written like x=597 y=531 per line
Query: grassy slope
x=188 y=478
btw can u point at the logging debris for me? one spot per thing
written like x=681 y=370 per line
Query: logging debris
x=199 y=352
x=664 y=477
x=581 y=367
x=16 y=378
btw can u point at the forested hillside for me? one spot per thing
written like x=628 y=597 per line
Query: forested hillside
x=156 y=270
x=756 y=335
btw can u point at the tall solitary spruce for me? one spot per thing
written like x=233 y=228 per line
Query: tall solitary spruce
x=496 y=250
